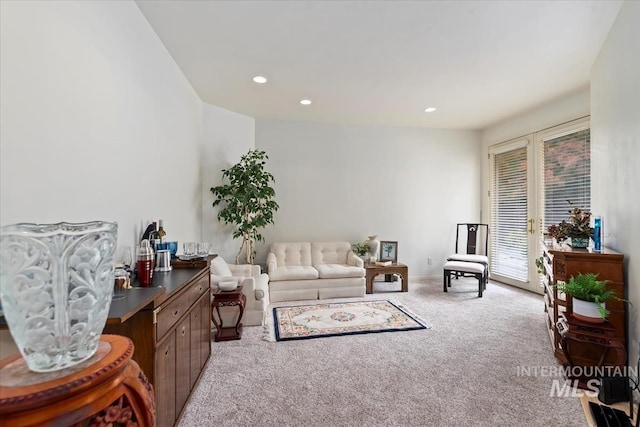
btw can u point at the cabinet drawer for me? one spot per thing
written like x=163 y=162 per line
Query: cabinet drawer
x=170 y=314
x=197 y=289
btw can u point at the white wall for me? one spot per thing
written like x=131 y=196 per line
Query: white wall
x=336 y=182
x=615 y=150
x=227 y=136
x=98 y=122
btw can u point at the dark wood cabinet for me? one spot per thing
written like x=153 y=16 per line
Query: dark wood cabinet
x=169 y=325
x=560 y=264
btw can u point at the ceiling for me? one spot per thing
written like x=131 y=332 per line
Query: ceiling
x=384 y=62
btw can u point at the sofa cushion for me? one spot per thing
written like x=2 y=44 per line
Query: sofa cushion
x=329 y=252
x=292 y=254
x=333 y=271
x=296 y=272
x=219 y=267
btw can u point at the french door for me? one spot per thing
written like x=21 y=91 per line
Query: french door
x=532 y=178
x=512 y=208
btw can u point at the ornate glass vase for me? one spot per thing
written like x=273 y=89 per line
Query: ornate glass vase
x=56 y=284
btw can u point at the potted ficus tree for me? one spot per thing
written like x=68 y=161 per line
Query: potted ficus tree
x=247 y=201
x=577 y=228
x=589 y=297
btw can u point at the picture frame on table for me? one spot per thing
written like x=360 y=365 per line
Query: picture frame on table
x=389 y=251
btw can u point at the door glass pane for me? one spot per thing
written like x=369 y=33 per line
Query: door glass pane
x=566 y=174
x=509 y=215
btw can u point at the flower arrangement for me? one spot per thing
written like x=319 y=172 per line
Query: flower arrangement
x=576 y=228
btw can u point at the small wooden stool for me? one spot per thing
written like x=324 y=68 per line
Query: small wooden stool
x=476 y=269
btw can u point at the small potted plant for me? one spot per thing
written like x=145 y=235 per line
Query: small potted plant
x=577 y=229
x=589 y=297
x=361 y=249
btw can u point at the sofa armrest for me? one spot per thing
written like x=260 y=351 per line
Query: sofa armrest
x=248 y=286
x=272 y=262
x=261 y=286
x=353 y=259
x=255 y=270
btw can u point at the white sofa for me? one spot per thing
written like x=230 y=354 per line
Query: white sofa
x=254 y=287
x=314 y=270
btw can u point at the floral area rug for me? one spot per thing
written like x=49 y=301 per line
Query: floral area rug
x=333 y=319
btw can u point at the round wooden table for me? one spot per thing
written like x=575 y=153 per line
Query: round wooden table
x=107 y=388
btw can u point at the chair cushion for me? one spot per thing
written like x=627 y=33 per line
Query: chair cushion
x=482 y=259
x=333 y=271
x=464 y=266
x=219 y=267
x=296 y=272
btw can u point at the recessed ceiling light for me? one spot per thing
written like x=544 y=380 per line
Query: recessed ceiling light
x=305 y=102
x=260 y=79
x=430 y=109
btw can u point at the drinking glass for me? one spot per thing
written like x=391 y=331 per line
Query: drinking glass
x=189 y=248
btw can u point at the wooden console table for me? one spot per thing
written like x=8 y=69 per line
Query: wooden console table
x=562 y=262
x=373 y=270
x=108 y=388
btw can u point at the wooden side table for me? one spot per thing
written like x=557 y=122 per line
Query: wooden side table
x=373 y=270
x=107 y=388
x=587 y=344
x=233 y=298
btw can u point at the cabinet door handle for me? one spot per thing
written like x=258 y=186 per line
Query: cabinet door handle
x=184 y=330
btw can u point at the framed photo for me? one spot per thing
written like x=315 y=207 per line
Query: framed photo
x=389 y=251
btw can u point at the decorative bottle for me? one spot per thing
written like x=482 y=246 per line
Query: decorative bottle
x=597 y=233
x=154 y=237
x=161 y=233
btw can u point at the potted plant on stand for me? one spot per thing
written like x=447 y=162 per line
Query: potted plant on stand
x=577 y=229
x=589 y=297
x=248 y=201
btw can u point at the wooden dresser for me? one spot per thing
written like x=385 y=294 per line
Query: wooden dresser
x=562 y=262
x=169 y=325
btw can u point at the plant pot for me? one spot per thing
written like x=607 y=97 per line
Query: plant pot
x=587 y=311
x=579 y=242
x=57 y=284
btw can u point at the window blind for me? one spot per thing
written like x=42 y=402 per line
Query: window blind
x=566 y=175
x=509 y=215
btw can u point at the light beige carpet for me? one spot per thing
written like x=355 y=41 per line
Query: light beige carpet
x=462 y=372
